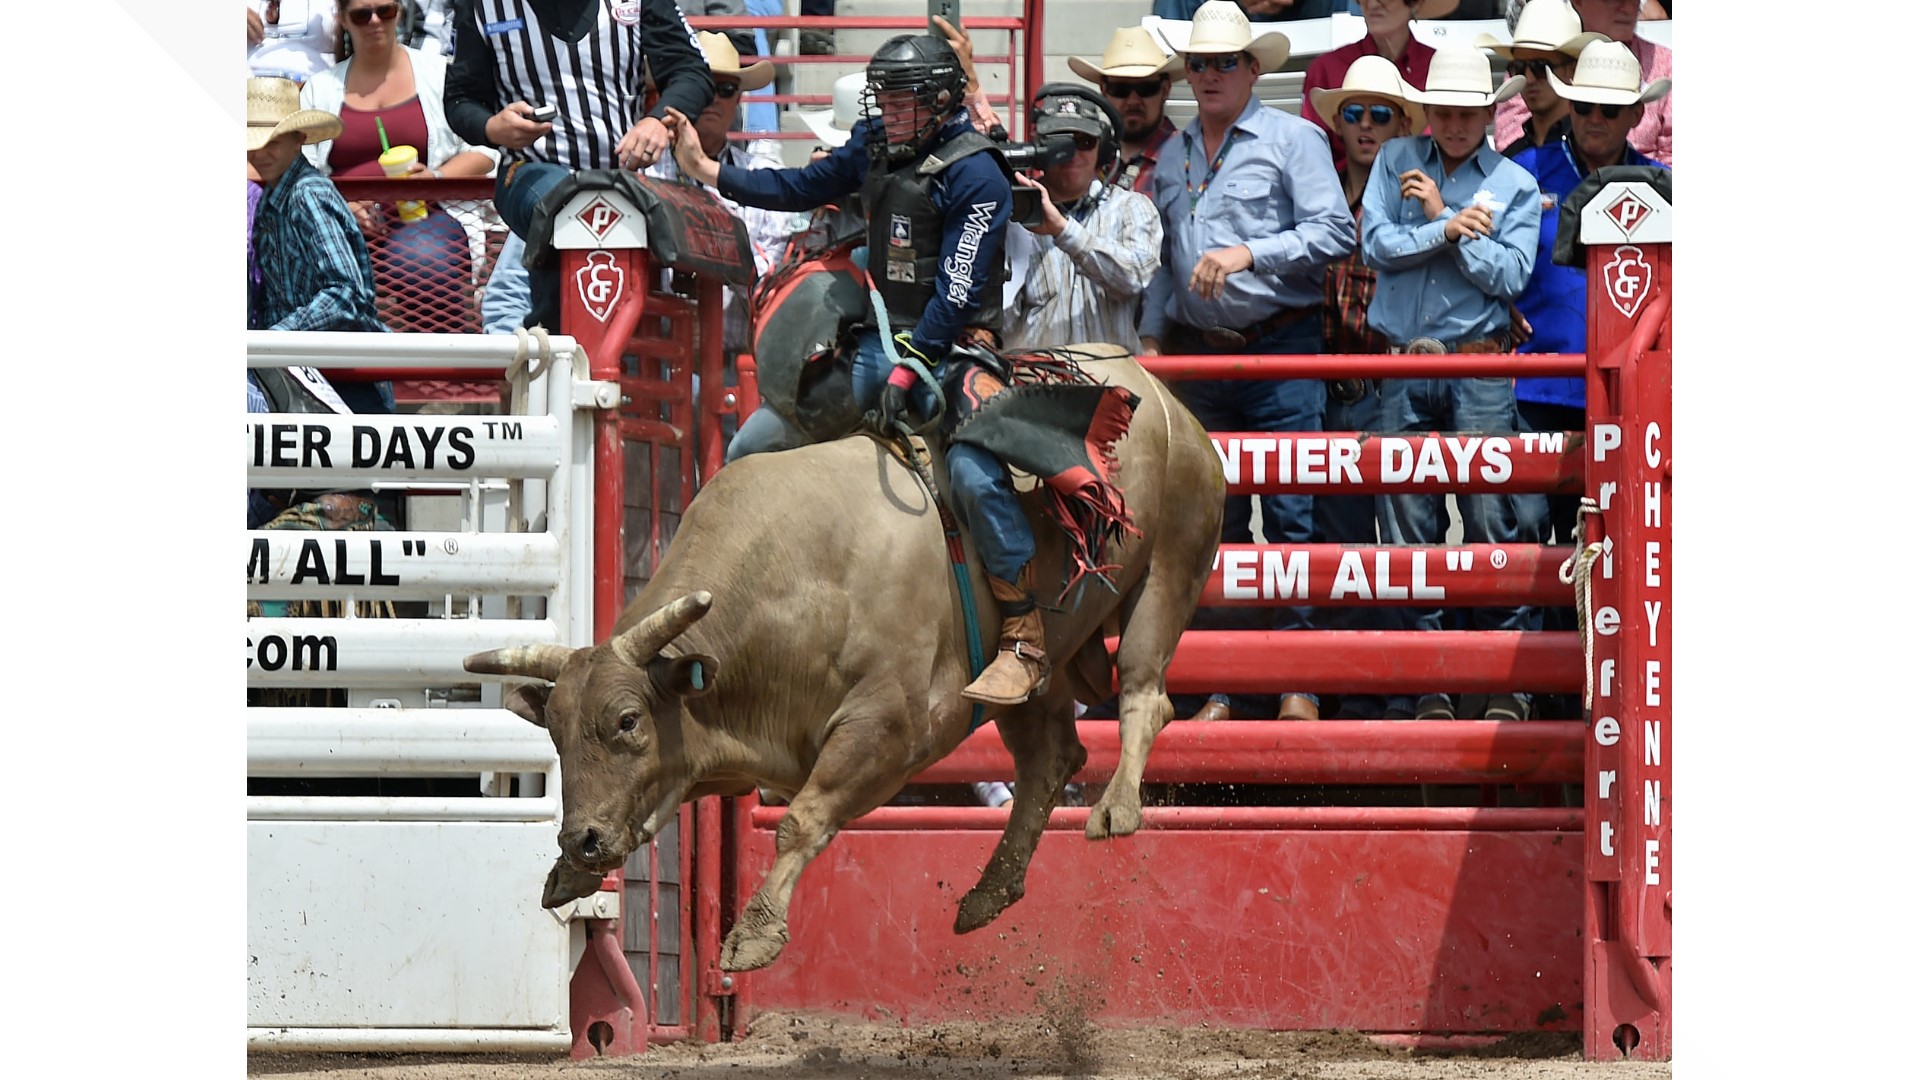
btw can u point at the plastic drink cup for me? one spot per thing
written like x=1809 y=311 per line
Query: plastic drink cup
x=396 y=161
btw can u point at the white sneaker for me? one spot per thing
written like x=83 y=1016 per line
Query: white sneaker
x=992 y=793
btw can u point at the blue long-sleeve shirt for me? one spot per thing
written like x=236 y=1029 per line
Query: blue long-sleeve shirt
x=1555 y=300
x=1276 y=192
x=968 y=192
x=1430 y=286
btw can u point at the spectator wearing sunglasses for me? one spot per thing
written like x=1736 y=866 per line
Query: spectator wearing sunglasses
x=387 y=93
x=1253 y=215
x=1451 y=229
x=1078 y=274
x=1546 y=37
x=587 y=59
x=1132 y=75
x=1616 y=20
x=1607 y=102
x=1390 y=37
x=767 y=230
x=290 y=39
x=1369 y=108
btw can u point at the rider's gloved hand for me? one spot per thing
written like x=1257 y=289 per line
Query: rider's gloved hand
x=893 y=399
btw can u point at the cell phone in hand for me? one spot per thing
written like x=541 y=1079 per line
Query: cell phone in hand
x=946 y=9
x=543 y=114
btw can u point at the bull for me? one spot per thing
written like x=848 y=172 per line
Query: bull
x=805 y=634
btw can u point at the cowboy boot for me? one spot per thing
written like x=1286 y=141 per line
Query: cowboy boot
x=1020 y=670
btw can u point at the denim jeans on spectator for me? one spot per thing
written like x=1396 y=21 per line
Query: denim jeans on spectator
x=1355 y=519
x=1476 y=405
x=980 y=486
x=517 y=191
x=1259 y=405
x=507 y=299
x=427 y=267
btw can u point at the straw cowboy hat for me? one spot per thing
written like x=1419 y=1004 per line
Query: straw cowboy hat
x=724 y=59
x=1370 y=76
x=1459 y=75
x=1546 y=25
x=273 y=108
x=834 y=126
x=1220 y=27
x=1132 y=53
x=1607 y=74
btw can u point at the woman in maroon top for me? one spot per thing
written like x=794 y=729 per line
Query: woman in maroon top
x=1389 y=34
x=423 y=270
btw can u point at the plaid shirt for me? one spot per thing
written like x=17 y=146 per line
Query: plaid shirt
x=1350 y=284
x=314 y=271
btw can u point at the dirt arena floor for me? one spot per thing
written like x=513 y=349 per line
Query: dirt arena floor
x=788 y=1047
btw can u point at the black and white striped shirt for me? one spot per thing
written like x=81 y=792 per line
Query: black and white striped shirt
x=587 y=60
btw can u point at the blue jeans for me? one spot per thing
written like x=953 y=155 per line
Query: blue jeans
x=507 y=298
x=981 y=487
x=517 y=191
x=1483 y=404
x=1271 y=405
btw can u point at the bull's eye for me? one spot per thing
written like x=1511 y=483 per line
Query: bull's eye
x=629 y=721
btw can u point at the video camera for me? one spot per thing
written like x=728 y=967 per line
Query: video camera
x=1043 y=151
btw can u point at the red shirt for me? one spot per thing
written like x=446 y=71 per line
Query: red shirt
x=357 y=151
x=1329 y=69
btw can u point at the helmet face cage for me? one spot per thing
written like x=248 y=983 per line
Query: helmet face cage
x=924 y=66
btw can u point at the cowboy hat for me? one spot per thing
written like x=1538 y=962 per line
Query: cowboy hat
x=1220 y=27
x=834 y=126
x=1546 y=25
x=724 y=59
x=1607 y=74
x=1132 y=53
x=273 y=108
x=1370 y=76
x=1459 y=75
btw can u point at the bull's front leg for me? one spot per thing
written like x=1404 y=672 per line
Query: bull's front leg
x=1046 y=753
x=861 y=766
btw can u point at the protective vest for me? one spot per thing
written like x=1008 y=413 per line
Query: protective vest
x=904 y=234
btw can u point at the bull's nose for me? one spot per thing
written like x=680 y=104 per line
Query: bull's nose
x=590 y=844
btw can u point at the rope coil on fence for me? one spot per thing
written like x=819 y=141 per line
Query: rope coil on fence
x=532 y=355
x=1578 y=572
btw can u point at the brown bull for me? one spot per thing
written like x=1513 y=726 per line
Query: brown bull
x=804 y=634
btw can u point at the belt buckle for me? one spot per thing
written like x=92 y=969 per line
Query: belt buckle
x=1427 y=346
x=1222 y=338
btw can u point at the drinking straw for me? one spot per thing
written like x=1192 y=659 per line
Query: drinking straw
x=381 y=126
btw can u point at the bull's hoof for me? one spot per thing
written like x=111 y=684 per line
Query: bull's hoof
x=566 y=884
x=750 y=951
x=1110 y=818
x=982 y=905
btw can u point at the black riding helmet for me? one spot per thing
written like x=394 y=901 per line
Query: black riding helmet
x=925 y=65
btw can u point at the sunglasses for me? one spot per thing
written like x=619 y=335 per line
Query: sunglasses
x=1536 y=68
x=1585 y=108
x=1124 y=90
x=725 y=89
x=1084 y=141
x=1222 y=64
x=1381 y=115
x=383 y=12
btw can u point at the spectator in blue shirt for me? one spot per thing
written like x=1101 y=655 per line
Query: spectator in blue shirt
x=1451 y=229
x=1253 y=214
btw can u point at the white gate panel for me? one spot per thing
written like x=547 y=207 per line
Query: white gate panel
x=297 y=450
x=380 y=653
x=292 y=565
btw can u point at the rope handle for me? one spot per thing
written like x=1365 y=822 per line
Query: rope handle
x=1578 y=572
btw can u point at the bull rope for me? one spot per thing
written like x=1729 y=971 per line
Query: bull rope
x=527 y=366
x=1578 y=572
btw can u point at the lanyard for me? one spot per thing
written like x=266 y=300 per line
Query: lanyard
x=1193 y=194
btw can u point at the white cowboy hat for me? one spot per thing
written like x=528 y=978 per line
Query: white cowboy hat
x=273 y=108
x=1220 y=27
x=1459 y=75
x=1546 y=25
x=834 y=126
x=1609 y=75
x=1132 y=53
x=1370 y=76
x=724 y=59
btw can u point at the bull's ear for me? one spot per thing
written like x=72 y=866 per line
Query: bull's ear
x=685 y=676
x=528 y=702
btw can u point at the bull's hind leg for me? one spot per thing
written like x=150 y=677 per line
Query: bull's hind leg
x=860 y=767
x=1151 y=621
x=1046 y=753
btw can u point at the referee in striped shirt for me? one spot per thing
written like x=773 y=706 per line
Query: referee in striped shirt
x=589 y=60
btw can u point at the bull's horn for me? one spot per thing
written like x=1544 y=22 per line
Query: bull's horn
x=644 y=642
x=529 y=661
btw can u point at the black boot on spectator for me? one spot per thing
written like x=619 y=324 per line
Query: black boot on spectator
x=1434 y=707
x=1505 y=707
